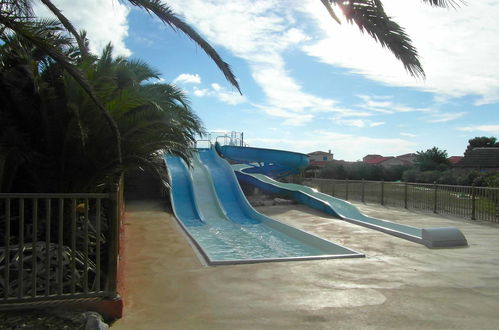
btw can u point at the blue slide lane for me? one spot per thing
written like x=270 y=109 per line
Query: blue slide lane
x=183 y=199
x=227 y=188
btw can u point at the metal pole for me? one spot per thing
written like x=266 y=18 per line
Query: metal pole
x=435 y=197
x=346 y=190
x=363 y=192
x=383 y=192
x=473 y=199
x=112 y=270
x=405 y=195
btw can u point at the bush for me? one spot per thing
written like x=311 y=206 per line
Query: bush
x=429 y=176
x=493 y=180
x=448 y=177
x=411 y=175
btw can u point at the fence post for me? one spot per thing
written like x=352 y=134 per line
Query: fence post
x=405 y=195
x=382 y=192
x=497 y=205
x=473 y=198
x=435 y=197
x=114 y=223
x=346 y=192
x=363 y=192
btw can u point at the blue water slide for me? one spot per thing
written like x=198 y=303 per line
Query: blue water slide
x=182 y=195
x=227 y=188
x=271 y=162
x=430 y=237
x=212 y=209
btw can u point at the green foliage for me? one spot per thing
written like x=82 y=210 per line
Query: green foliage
x=333 y=171
x=411 y=175
x=359 y=171
x=481 y=142
x=453 y=177
x=54 y=139
x=431 y=159
x=493 y=180
x=448 y=177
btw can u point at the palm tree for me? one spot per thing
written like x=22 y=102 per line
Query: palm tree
x=17 y=16
x=51 y=134
x=151 y=118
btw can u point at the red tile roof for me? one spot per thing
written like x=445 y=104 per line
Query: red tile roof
x=455 y=159
x=376 y=160
x=319 y=153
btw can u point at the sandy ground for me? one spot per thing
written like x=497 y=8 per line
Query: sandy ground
x=399 y=285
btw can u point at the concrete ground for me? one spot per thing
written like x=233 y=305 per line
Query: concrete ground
x=399 y=284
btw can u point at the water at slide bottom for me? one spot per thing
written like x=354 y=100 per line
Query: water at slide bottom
x=230 y=241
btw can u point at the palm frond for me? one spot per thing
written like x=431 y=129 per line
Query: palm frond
x=371 y=18
x=444 y=3
x=330 y=10
x=167 y=16
x=67 y=24
x=20 y=9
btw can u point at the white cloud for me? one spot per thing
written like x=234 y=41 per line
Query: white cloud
x=353 y=122
x=259 y=32
x=104 y=20
x=188 y=78
x=221 y=93
x=360 y=123
x=376 y=124
x=230 y=97
x=458 y=48
x=490 y=129
x=442 y=117
x=407 y=134
x=385 y=105
x=290 y=118
x=201 y=92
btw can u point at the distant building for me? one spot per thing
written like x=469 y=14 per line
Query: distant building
x=408 y=158
x=320 y=158
x=482 y=159
x=370 y=159
x=454 y=159
x=402 y=160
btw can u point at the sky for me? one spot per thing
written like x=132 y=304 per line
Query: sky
x=309 y=83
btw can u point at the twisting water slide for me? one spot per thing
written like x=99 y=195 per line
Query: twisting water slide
x=267 y=161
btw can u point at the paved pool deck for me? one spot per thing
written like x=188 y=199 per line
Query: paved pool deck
x=399 y=285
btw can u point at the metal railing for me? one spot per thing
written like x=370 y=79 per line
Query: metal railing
x=58 y=246
x=470 y=202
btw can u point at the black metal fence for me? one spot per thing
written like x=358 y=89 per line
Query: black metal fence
x=58 y=246
x=476 y=203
